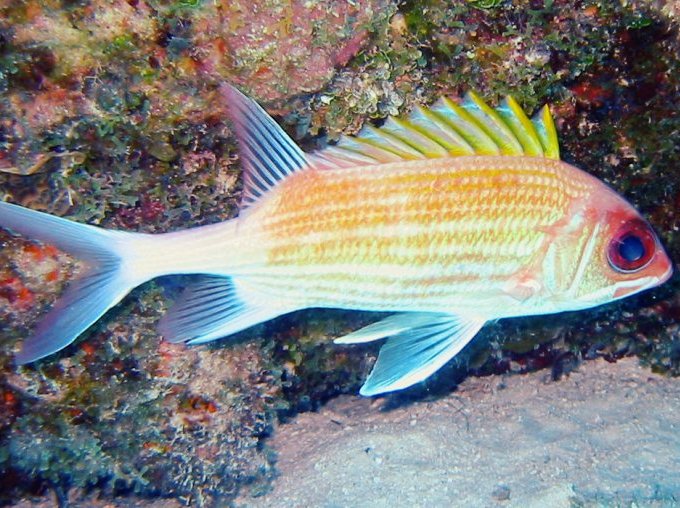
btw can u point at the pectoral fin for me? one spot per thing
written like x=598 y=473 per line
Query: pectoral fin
x=420 y=343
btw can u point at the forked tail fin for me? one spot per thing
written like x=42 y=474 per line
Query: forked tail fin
x=107 y=278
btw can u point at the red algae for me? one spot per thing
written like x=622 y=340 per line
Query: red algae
x=291 y=45
x=165 y=54
x=11 y=289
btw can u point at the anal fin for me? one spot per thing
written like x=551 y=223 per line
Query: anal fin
x=212 y=307
x=419 y=344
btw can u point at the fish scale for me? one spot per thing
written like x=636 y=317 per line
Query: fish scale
x=508 y=212
x=334 y=243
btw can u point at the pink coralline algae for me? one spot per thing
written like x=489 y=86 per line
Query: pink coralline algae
x=291 y=47
x=66 y=67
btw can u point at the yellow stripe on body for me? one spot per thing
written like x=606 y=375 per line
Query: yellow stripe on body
x=419 y=233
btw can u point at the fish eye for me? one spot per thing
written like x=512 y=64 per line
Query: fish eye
x=632 y=247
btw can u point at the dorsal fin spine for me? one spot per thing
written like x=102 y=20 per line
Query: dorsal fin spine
x=521 y=126
x=390 y=142
x=449 y=128
x=360 y=146
x=547 y=133
x=423 y=119
x=449 y=111
x=406 y=131
x=490 y=122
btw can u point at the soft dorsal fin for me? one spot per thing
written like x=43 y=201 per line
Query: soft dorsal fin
x=268 y=154
x=450 y=129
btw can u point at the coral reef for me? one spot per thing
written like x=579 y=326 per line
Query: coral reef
x=108 y=115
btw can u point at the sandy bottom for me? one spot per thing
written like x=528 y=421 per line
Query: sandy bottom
x=608 y=435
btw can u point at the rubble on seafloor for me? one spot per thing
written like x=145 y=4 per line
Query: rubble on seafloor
x=109 y=115
x=604 y=436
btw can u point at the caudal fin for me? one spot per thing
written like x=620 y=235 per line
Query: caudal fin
x=87 y=298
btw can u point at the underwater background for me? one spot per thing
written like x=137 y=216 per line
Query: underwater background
x=109 y=115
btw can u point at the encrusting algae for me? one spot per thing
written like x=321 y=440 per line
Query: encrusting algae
x=157 y=159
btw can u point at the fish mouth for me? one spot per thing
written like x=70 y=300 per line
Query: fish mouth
x=631 y=288
x=667 y=275
x=642 y=284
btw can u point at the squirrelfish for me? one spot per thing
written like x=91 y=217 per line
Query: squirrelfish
x=454 y=216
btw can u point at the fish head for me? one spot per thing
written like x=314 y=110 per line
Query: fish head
x=623 y=254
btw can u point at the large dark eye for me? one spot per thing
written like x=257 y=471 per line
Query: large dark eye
x=632 y=247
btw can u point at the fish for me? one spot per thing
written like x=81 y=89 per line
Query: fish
x=448 y=218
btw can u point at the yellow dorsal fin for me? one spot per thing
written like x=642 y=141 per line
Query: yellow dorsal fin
x=467 y=125
x=545 y=127
x=491 y=122
x=451 y=129
x=430 y=124
x=521 y=126
x=422 y=142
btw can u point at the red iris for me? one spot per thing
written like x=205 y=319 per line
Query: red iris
x=632 y=247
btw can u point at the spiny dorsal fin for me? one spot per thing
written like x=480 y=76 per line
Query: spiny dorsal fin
x=268 y=154
x=449 y=129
